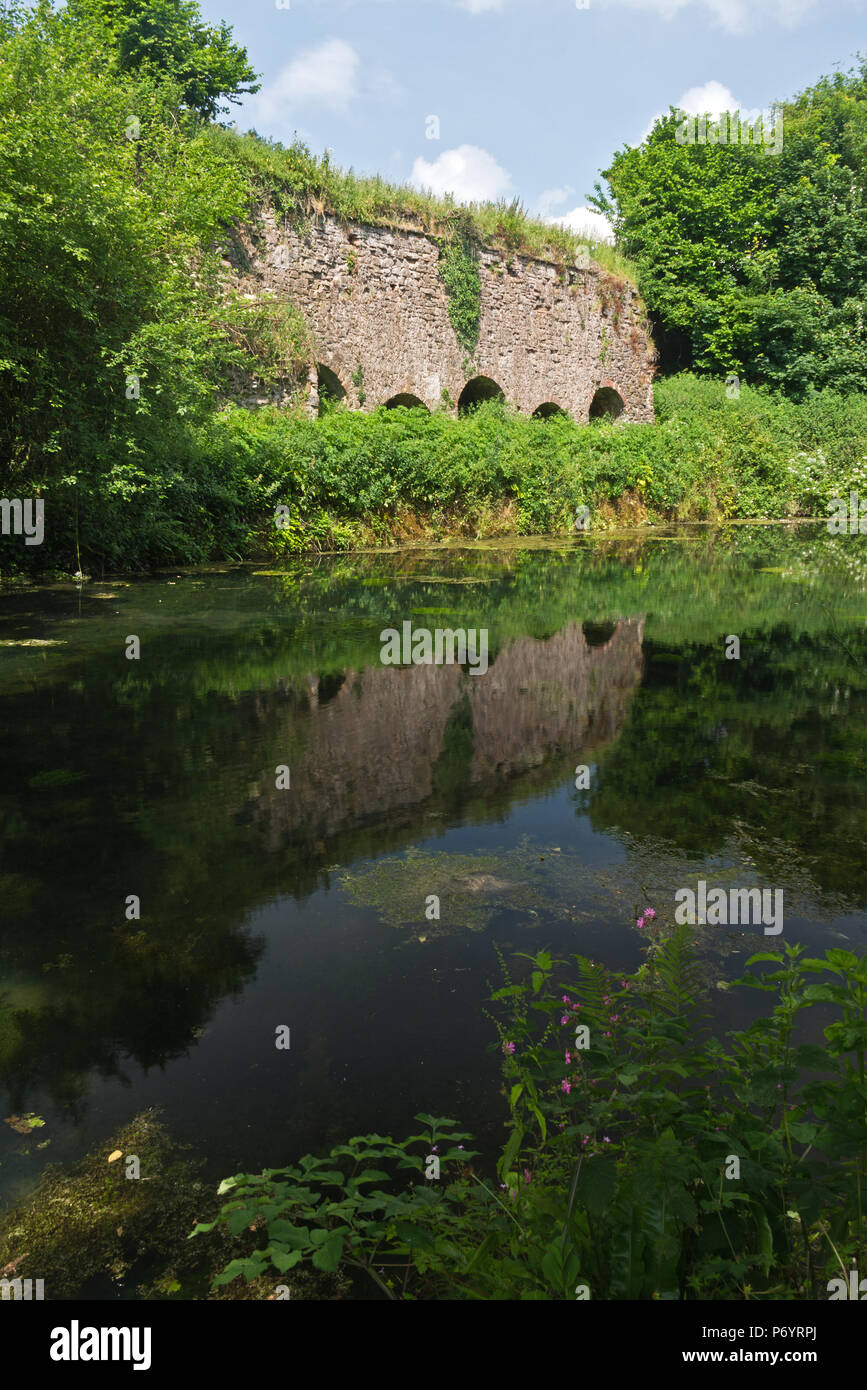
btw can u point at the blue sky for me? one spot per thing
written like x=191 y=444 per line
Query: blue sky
x=532 y=96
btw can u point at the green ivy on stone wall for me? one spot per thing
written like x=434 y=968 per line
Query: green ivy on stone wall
x=459 y=272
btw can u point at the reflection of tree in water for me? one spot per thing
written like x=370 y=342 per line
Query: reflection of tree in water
x=768 y=749
x=138 y=994
x=166 y=798
x=158 y=780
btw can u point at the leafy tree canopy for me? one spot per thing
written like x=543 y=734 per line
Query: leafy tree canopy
x=168 y=38
x=753 y=261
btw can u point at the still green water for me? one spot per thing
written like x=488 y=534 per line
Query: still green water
x=306 y=906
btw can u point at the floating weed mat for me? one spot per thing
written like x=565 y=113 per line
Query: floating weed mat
x=550 y=887
x=92 y=1222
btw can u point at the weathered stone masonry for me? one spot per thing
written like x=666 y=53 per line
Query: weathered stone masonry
x=379 y=312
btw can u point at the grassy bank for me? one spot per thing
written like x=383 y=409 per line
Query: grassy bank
x=350 y=480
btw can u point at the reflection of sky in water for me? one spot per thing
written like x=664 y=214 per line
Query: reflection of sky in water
x=156 y=778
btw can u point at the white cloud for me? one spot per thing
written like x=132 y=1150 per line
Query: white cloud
x=480 y=6
x=587 y=222
x=549 y=200
x=583 y=221
x=468 y=172
x=711 y=97
x=734 y=16
x=322 y=76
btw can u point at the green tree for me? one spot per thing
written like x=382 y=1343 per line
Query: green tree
x=752 y=261
x=168 y=38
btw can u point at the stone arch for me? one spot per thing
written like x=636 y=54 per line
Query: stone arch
x=548 y=409
x=478 y=389
x=606 y=404
x=407 y=400
x=330 y=389
x=598 y=634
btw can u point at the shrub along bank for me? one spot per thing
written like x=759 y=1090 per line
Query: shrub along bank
x=350 y=479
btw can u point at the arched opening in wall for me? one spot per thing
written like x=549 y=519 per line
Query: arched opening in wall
x=406 y=400
x=598 y=634
x=606 y=404
x=548 y=411
x=331 y=393
x=480 y=388
x=329 y=686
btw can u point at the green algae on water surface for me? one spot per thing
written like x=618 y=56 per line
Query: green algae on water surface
x=91 y=1222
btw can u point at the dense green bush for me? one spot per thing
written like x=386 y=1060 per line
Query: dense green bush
x=350 y=478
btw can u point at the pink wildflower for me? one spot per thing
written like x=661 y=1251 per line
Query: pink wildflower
x=508 y=1047
x=566 y=1086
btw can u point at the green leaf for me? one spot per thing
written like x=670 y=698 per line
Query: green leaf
x=251 y=1269
x=283 y=1231
x=516 y=1091
x=805 y=1133
x=285 y=1259
x=327 y=1257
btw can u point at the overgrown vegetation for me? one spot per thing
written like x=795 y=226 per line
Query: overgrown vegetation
x=304 y=185
x=351 y=480
x=645 y=1160
x=119 y=334
x=750 y=260
x=459 y=272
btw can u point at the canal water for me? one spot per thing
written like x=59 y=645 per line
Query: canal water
x=611 y=753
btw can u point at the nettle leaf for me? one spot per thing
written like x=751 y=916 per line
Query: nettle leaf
x=201 y=1228
x=826 y=994
x=327 y=1257
x=285 y=1259
x=809 y=1055
x=251 y=1269
x=804 y=1133
x=844 y=961
x=237 y=1220
x=415 y=1236
x=287 y=1234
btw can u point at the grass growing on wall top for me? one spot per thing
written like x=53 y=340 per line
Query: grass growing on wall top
x=303 y=184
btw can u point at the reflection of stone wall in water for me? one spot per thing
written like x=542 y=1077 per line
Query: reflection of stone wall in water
x=374 y=746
